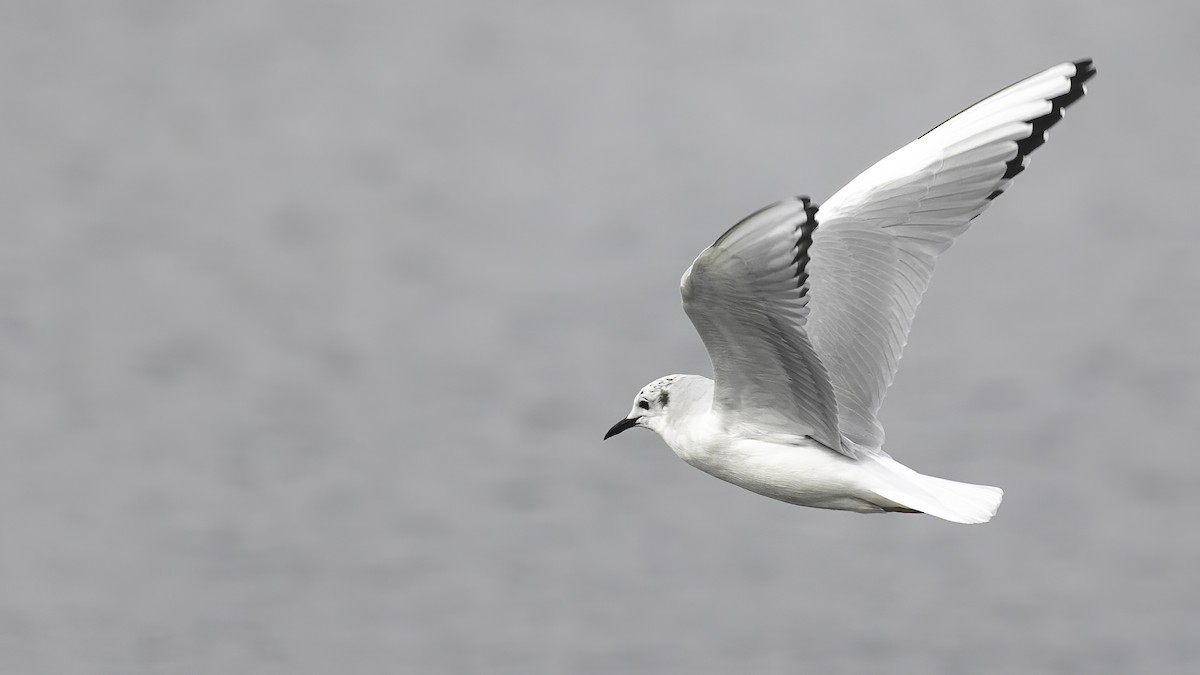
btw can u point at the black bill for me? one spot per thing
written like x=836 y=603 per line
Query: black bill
x=627 y=423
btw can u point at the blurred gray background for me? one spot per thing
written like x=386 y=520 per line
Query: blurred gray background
x=312 y=316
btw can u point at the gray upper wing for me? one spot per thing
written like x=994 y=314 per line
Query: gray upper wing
x=877 y=239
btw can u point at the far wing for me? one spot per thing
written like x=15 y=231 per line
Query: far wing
x=748 y=298
x=878 y=237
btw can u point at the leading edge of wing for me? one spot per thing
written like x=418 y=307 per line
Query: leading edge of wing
x=747 y=296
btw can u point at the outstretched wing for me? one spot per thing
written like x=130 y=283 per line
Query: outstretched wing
x=877 y=238
x=747 y=296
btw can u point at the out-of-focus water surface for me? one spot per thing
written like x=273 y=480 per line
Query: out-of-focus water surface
x=312 y=316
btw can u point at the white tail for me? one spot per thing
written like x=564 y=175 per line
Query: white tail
x=947 y=499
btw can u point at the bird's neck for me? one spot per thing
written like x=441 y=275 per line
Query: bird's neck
x=688 y=422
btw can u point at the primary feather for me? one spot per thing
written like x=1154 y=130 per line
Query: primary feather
x=877 y=238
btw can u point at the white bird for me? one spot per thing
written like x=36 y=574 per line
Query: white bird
x=804 y=312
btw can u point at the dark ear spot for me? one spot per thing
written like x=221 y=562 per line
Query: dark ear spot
x=644 y=405
x=663 y=398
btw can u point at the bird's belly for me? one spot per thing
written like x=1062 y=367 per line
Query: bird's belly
x=805 y=473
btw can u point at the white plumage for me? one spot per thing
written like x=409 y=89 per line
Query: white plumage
x=805 y=312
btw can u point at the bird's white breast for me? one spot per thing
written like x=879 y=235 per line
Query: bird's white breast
x=796 y=469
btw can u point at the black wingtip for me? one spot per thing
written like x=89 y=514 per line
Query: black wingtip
x=1084 y=70
x=803 y=241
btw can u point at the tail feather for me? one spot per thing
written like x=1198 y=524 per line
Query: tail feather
x=947 y=499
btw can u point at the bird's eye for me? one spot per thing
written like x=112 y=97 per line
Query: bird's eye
x=644 y=405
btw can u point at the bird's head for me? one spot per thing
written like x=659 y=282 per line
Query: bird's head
x=650 y=407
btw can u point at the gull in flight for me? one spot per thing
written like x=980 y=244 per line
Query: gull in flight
x=804 y=312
